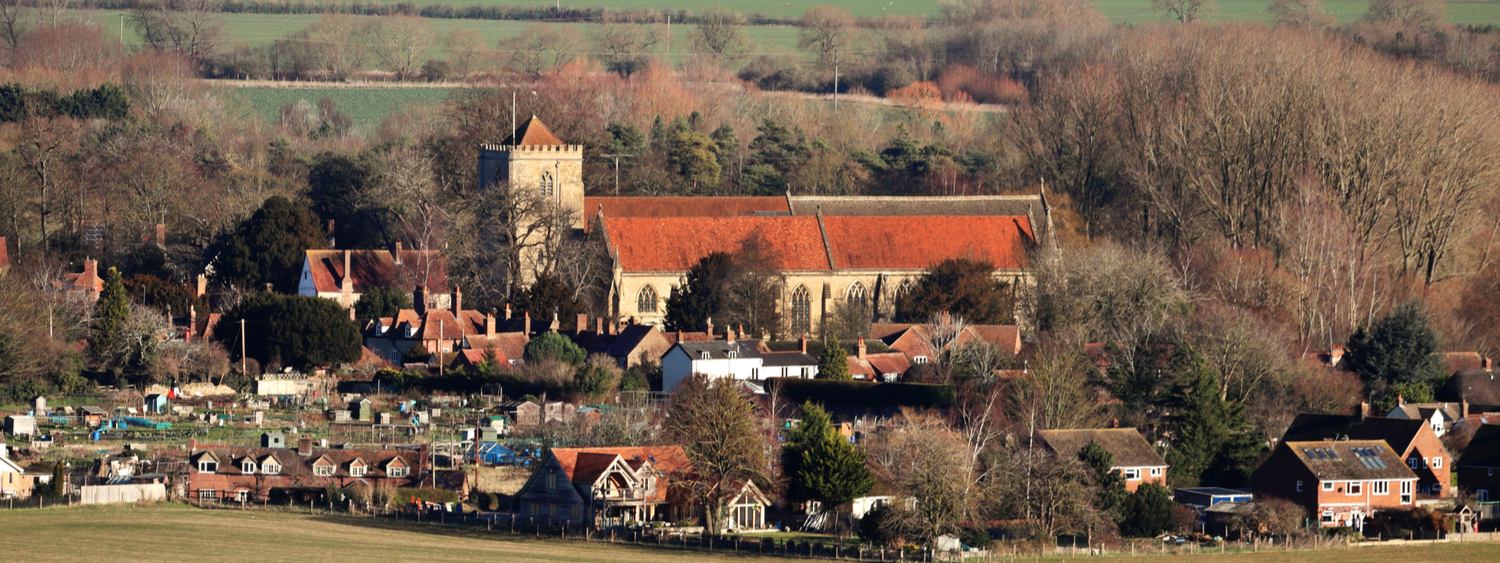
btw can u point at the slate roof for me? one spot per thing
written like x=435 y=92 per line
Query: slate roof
x=684 y=206
x=717 y=349
x=378 y=268
x=1397 y=432
x=786 y=359
x=1477 y=386
x=927 y=205
x=629 y=338
x=1457 y=361
x=1129 y=448
x=293 y=465
x=1350 y=460
x=1484 y=448
x=533 y=133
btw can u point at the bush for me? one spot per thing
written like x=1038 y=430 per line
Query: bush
x=977 y=537
x=863 y=393
x=554 y=346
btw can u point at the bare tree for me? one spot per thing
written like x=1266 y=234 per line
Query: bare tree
x=1301 y=13
x=720 y=36
x=401 y=43
x=825 y=31
x=11 y=27
x=192 y=31
x=1056 y=392
x=466 y=50
x=1420 y=13
x=541 y=47
x=1184 y=11
x=625 y=46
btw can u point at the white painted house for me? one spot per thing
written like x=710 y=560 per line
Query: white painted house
x=739 y=360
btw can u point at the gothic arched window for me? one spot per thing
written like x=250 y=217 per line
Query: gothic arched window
x=801 y=311
x=549 y=184
x=646 y=301
x=857 y=294
x=905 y=289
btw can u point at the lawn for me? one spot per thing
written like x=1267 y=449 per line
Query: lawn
x=179 y=533
x=366 y=106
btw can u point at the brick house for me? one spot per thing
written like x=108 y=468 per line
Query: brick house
x=1413 y=440
x=1340 y=482
x=1479 y=464
x=611 y=486
x=234 y=473
x=1135 y=459
x=345 y=275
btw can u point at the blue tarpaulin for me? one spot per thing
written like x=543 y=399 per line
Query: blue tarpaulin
x=493 y=453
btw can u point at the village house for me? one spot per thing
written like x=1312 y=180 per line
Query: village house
x=614 y=486
x=437 y=330
x=1414 y=441
x=1479 y=464
x=235 y=473
x=1338 y=482
x=86 y=284
x=14 y=482
x=884 y=367
x=741 y=360
x=1134 y=457
x=345 y=275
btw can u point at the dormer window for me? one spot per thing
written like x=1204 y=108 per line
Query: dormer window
x=207 y=465
x=357 y=470
x=270 y=468
x=397 y=471
x=732 y=354
x=919 y=360
x=703 y=355
x=323 y=470
x=247 y=467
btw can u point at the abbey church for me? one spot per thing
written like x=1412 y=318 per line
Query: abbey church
x=862 y=249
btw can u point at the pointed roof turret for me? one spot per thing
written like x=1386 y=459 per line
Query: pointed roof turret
x=533 y=133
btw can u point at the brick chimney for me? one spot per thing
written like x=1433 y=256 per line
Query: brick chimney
x=187 y=335
x=202 y=285
x=489 y=324
x=1362 y=411
x=507 y=311
x=1463 y=407
x=330 y=234
x=90 y=269
x=614 y=328
x=582 y=323
x=1336 y=354
x=346 y=285
x=710 y=328
x=304 y=446
x=161 y=234
x=1488 y=363
x=861 y=349
x=556 y=323
x=396 y=254
x=526 y=328
x=599 y=325
x=1400 y=400
x=419 y=299
x=803 y=339
x=458 y=300
x=729 y=334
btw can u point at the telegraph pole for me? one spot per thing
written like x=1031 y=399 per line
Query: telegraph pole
x=835 y=81
x=242 y=349
x=617 y=158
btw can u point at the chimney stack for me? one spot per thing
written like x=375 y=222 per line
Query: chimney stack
x=202 y=285
x=710 y=329
x=1400 y=400
x=599 y=325
x=582 y=323
x=507 y=311
x=489 y=324
x=526 y=327
x=1362 y=412
x=396 y=254
x=1335 y=355
x=729 y=334
x=1488 y=363
x=458 y=300
x=304 y=446
x=330 y=234
x=861 y=349
x=161 y=234
x=556 y=323
x=614 y=328
x=346 y=285
x=1463 y=408
x=90 y=269
x=419 y=299
x=803 y=339
x=187 y=336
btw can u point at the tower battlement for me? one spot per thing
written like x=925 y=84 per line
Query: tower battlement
x=532 y=148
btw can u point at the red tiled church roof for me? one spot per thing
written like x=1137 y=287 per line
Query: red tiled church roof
x=674 y=244
x=917 y=242
x=533 y=133
x=684 y=206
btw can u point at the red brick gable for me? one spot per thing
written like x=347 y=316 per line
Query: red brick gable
x=674 y=244
x=918 y=242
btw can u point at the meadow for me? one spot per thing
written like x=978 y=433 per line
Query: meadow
x=176 y=533
x=366 y=106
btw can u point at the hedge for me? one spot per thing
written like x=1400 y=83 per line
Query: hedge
x=864 y=393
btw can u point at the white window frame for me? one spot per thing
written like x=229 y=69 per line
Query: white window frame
x=270 y=468
x=1406 y=496
x=1131 y=474
x=1380 y=487
x=247 y=467
x=534 y=509
x=1354 y=488
x=207 y=466
x=241 y=496
x=919 y=359
x=1326 y=517
x=208 y=494
x=1156 y=472
x=323 y=470
x=1437 y=462
x=356 y=471
x=575 y=512
x=398 y=471
x=1328 y=485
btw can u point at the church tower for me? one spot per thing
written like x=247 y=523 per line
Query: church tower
x=534 y=159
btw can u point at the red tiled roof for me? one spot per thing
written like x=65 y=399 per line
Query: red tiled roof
x=203 y=327
x=860 y=370
x=918 y=242
x=1008 y=337
x=888 y=363
x=674 y=244
x=533 y=133
x=508 y=346
x=378 y=268
x=1456 y=361
x=683 y=206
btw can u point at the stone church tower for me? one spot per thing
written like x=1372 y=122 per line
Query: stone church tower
x=535 y=159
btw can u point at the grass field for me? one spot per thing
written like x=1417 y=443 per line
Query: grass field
x=178 y=533
x=366 y=106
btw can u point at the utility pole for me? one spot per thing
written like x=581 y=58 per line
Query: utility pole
x=276 y=59
x=513 y=139
x=835 y=81
x=122 y=30
x=617 y=158
x=242 y=349
x=440 y=348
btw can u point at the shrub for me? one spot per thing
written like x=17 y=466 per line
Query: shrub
x=864 y=393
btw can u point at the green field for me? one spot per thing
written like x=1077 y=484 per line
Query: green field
x=178 y=533
x=366 y=106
